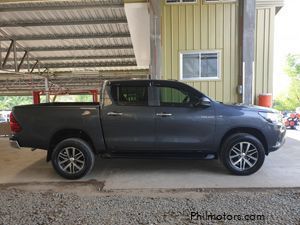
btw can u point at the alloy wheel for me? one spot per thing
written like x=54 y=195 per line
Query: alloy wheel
x=71 y=160
x=243 y=156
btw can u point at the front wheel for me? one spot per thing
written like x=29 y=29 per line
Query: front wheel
x=242 y=154
x=73 y=158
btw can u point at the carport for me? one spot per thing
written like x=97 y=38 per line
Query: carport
x=55 y=47
x=61 y=46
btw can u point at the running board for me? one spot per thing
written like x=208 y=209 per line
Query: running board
x=134 y=155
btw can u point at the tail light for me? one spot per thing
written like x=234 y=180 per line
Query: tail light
x=14 y=125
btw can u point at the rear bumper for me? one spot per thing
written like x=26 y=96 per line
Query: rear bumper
x=14 y=143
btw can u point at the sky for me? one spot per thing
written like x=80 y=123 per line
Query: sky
x=287 y=40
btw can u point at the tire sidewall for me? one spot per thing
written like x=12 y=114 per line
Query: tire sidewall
x=235 y=139
x=80 y=145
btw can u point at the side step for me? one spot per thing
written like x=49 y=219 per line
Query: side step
x=135 y=155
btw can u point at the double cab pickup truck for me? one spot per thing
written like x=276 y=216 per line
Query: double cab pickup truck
x=148 y=119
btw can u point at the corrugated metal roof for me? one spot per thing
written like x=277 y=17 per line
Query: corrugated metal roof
x=63 y=31
x=75 y=35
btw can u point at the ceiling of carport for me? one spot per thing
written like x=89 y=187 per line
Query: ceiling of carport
x=80 y=29
x=72 y=35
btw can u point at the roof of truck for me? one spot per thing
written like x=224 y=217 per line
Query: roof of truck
x=140 y=81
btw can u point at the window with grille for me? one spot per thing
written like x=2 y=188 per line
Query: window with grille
x=204 y=65
x=180 y=1
x=218 y=1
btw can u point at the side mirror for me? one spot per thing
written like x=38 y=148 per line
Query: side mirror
x=204 y=101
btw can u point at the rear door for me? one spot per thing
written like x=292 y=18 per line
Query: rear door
x=180 y=125
x=127 y=119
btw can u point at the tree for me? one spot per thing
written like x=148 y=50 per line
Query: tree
x=8 y=102
x=291 y=99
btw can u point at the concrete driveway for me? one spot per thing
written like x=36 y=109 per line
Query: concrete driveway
x=281 y=169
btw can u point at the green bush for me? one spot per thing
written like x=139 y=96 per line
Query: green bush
x=291 y=100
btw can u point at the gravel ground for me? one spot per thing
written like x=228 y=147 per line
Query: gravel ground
x=69 y=204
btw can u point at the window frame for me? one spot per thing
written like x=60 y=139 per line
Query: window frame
x=200 y=52
x=180 y=2
x=219 y=1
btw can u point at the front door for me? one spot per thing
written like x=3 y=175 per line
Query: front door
x=128 y=121
x=180 y=124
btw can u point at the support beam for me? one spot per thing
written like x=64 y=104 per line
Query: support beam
x=66 y=36
x=47 y=23
x=34 y=65
x=28 y=64
x=73 y=48
x=47 y=89
x=81 y=65
x=7 y=54
x=78 y=65
x=39 y=67
x=61 y=58
x=15 y=56
x=247 y=32
x=155 y=40
x=95 y=95
x=14 y=44
x=56 y=5
x=36 y=97
x=22 y=60
x=122 y=74
x=0 y=55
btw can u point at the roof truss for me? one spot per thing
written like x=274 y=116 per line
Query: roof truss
x=55 y=5
x=65 y=36
x=34 y=23
x=73 y=48
x=76 y=65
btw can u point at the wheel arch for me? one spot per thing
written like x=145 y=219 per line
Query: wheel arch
x=65 y=134
x=253 y=131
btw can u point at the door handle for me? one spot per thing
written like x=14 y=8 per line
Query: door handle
x=114 y=114
x=163 y=114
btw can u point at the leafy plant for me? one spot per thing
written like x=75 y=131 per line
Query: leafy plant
x=8 y=102
x=291 y=99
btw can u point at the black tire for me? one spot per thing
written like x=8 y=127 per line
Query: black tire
x=229 y=154
x=64 y=151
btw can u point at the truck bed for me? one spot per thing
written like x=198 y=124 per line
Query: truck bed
x=64 y=104
x=38 y=131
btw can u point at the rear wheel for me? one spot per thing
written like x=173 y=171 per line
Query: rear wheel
x=73 y=158
x=242 y=154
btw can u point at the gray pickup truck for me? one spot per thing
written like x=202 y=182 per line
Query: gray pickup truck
x=148 y=118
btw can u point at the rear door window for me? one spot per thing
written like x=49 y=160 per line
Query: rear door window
x=130 y=95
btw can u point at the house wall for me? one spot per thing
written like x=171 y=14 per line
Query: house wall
x=263 y=81
x=211 y=26
x=202 y=27
x=215 y=26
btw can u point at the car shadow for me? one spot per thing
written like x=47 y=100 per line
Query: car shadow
x=159 y=165
x=41 y=171
x=38 y=170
